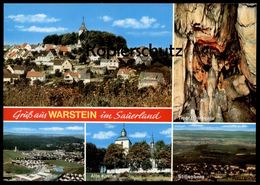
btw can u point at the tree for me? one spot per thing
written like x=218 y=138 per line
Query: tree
x=115 y=157
x=164 y=158
x=94 y=157
x=52 y=39
x=83 y=59
x=139 y=156
x=58 y=73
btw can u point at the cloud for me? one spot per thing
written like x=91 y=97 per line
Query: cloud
x=41 y=29
x=150 y=33
x=76 y=128
x=106 y=18
x=167 y=132
x=24 y=129
x=107 y=125
x=52 y=129
x=143 y=23
x=39 y=18
x=138 y=135
x=102 y=135
x=88 y=134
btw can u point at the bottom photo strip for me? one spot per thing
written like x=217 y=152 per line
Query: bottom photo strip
x=52 y=151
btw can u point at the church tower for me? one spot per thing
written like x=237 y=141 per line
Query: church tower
x=82 y=29
x=123 y=140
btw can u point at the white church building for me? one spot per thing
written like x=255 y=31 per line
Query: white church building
x=125 y=142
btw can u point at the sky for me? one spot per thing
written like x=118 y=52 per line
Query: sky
x=209 y=127
x=139 y=24
x=104 y=134
x=44 y=128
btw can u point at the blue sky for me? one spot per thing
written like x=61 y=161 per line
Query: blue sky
x=44 y=128
x=103 y=134
x=139 y=24
x=208 y=127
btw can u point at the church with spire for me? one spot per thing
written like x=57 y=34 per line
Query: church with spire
x=82 y=29
x=123 y=140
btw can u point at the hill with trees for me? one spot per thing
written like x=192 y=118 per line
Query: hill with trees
x=89 y=38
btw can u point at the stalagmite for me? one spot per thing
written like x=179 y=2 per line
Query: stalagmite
x=219 y=117
x=204 y=107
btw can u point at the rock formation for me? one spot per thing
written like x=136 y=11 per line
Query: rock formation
x=218 y=66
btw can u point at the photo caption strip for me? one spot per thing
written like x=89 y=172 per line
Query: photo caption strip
x=88 y=114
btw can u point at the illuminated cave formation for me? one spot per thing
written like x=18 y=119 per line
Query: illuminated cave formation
x=215 y=79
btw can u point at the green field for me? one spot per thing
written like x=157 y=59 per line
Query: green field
x=15 y=169
x=68 y=167
x=10 y=155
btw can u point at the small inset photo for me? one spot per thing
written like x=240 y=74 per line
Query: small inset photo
x=214 y=152
x=43 y=152
x=128 y=152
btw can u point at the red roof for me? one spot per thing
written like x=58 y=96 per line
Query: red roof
x=12 y=54
x=73 y=74
x=125 y=70
x=48 y=47
x=64 y=49
x=34 y=74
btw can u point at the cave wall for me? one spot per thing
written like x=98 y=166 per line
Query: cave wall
x=215 y=79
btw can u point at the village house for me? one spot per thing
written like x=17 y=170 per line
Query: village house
x=66 y=66
x=110 y=64
x=125 y=73
x=146 y=60
x=39 y=48
x=63 y=66
x=35 y=75
x=26 y=46
x=147 y=79
x=70 y=77
x=18 y=70
x=98 y=70
x=9 y=77
x=46 y=56
x=27 y=54
x=49 y=47
x=85 y=77
x=64 y=50
x=13 y=54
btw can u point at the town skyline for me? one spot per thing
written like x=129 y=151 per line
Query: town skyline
x=32 y=22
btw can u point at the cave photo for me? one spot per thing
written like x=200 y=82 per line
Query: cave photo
x=215 y=78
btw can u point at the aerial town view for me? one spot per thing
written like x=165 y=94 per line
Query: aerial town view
x=43 y=152
x=214 y=152
x=128 y=152
x=87 y=58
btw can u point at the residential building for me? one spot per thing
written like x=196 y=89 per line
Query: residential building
x=35 y=75
x=147 y=79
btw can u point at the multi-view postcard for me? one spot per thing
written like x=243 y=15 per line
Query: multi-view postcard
x=129 y=92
